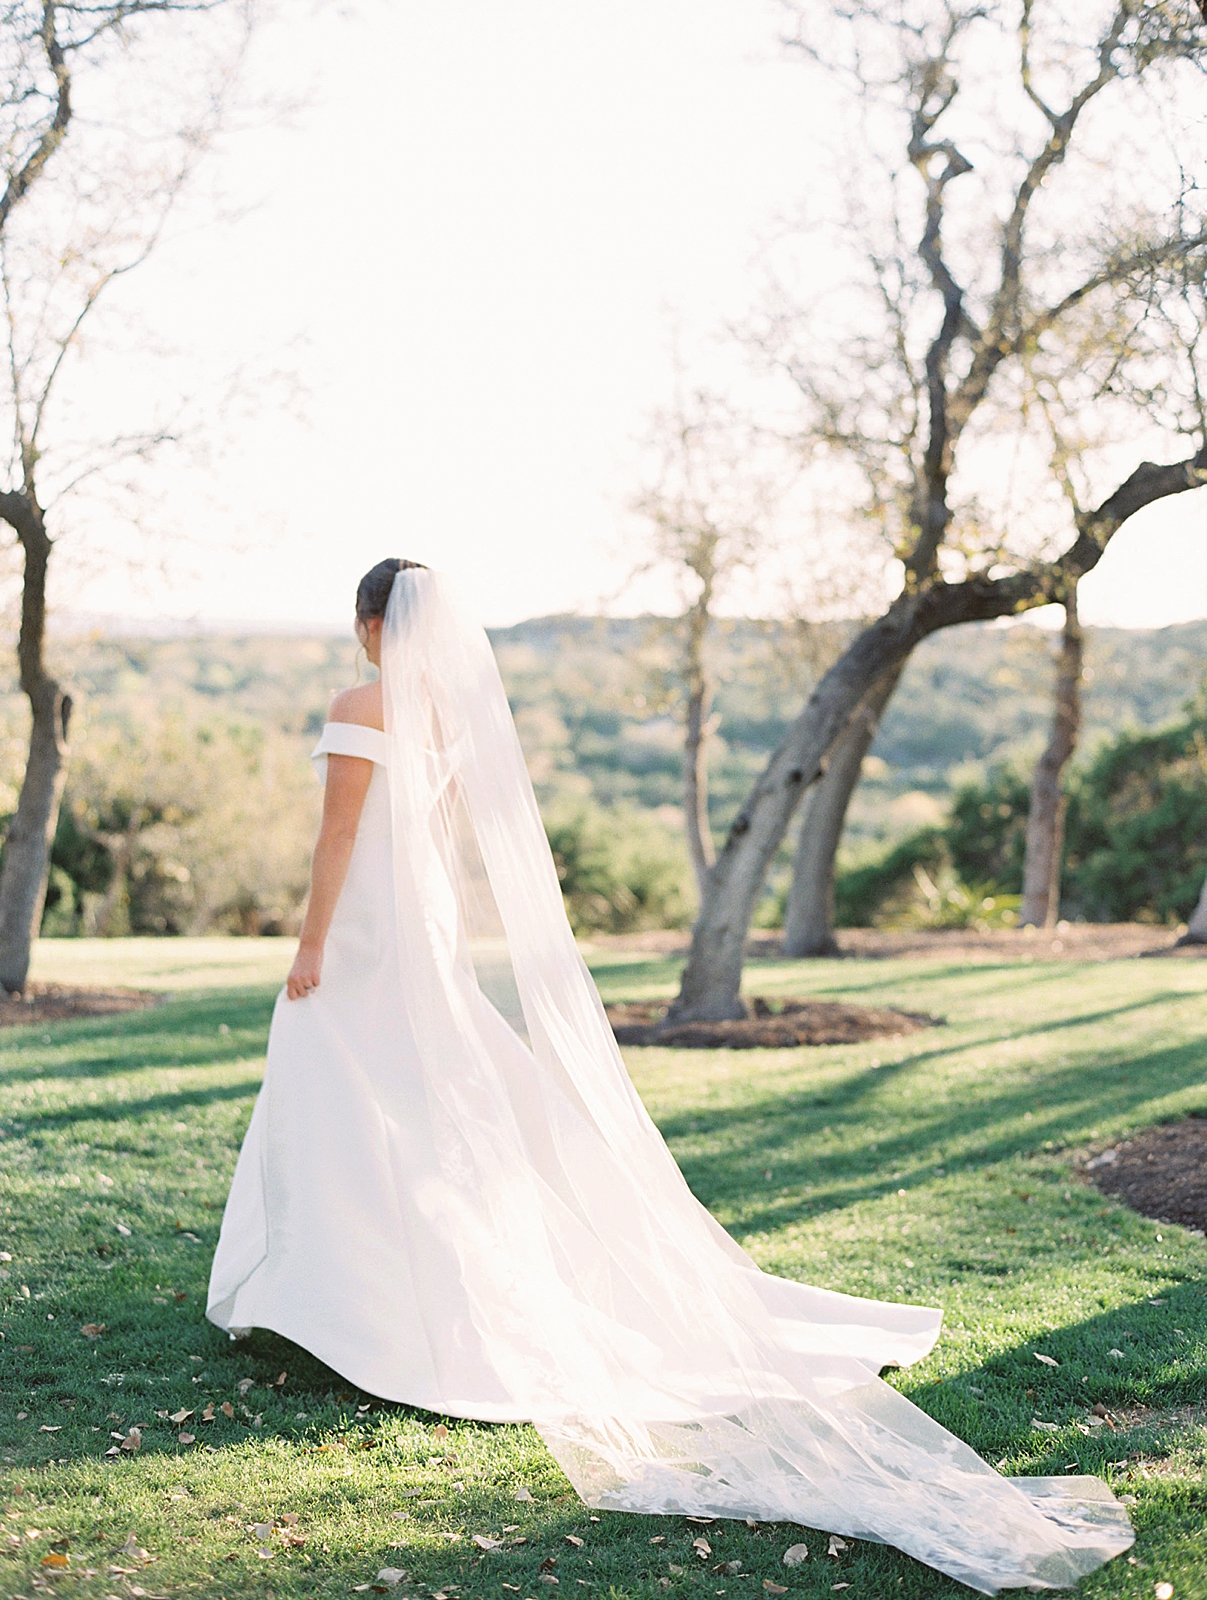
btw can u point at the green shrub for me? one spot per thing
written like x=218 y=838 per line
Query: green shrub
x=861 y=892
x=986 y=836
x=1135 y=831
x=1136 y=835
x=620 y=871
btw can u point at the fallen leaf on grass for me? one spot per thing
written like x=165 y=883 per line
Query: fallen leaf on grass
x=227 y=1409
x=661 y=1539
x=1118 y=1354
x=280 y=1383
x=93 y=1330
x=795 y=1554
x=244 y=1384
x=727 y=1569
x=440 y=1431
x=390 y=1576
x=180 y=1416
x=837 y=1545
x=547 y=1577
x=702 y=1548
x=133 y=1440
x=774 y=1588
x=56 y=1561
x=485 y=1542
x=523 y=1494
x=572 y=1538
x=264 y=1553
x=1047 y=1360
x=1163 y=1591
x=134 y=1550
x=186 y=1438
x=123 y=1230
x=208 y=1414
x=48 y=1427
x=1045 y=1427
x=840 y=1586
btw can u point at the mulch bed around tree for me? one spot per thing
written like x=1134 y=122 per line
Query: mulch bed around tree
x=1161 y=1172
x=770 y=1025
x=59 y=1002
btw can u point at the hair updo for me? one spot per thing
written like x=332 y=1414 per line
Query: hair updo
x=373 y=590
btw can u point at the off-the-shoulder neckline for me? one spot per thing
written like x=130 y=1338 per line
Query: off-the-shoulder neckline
x=366 y=727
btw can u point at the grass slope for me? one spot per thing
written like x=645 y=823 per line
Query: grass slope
x=935 y=1168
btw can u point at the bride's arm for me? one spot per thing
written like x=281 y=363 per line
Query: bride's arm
x=343 y=800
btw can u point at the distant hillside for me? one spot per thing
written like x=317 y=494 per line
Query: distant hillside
x=595 y=703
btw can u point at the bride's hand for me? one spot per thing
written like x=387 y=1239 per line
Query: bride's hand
x=305 y=974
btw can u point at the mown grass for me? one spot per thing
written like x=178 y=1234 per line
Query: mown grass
x=938 y=1168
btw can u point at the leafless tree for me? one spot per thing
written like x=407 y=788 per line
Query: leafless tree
x=1002 y=274
x=708 y=511
x=89 y=182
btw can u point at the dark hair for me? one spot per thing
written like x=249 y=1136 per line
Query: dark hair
x=373 y=590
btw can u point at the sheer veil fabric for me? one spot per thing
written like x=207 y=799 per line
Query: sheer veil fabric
x=663 y=1369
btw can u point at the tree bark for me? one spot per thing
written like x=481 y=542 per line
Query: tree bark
x=1045 y=820
x=31 y=833
x=710 y=989
x=695 y=743
x=1196 y=928
x=809 y=919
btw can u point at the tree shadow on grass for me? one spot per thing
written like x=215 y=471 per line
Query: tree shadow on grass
x=114 y=1112
x=990 y=1406
x=1160 y=1363
x=786 y=1133
x=179 y=1034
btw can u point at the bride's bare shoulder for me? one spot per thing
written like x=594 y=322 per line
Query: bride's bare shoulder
x=362 y=705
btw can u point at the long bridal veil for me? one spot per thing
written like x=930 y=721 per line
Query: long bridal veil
x=664 y=1371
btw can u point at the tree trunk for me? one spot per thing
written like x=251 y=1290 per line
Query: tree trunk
x=1196 y=928
x=809 y=920
x=31 y=832
x=710 y=989
x=1045 y=820
x=695 y=744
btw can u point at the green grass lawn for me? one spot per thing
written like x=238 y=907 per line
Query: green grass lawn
x=936 y=1168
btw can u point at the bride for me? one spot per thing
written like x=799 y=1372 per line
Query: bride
x=452 y=1195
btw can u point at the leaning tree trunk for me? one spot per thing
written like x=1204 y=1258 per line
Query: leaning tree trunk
x=809 y=918
x=1045 y=820
x=695 y=743
x=710 y=989
x=31 y=831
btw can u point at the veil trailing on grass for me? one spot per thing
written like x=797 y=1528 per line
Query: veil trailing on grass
x=663 y=1369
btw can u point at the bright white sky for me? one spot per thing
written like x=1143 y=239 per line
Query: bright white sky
x=487 y=223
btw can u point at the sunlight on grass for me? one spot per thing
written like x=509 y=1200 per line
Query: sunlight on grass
x=934 y=1168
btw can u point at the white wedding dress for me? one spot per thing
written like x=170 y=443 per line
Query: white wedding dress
x=451 y=1194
